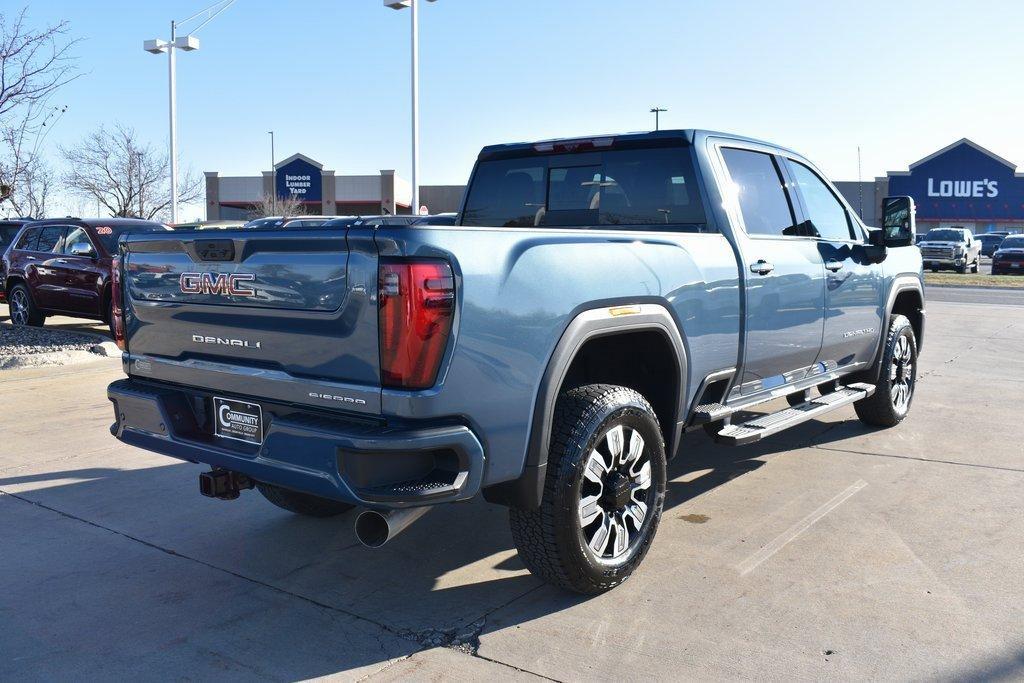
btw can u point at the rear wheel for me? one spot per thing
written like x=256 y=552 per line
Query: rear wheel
x=977 y=265
x=302 y=503
x=897 y=378
x=603 y=494
x=23 y=310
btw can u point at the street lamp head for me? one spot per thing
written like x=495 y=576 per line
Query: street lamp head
x=400 y=4
x=155 y=46
x=186 y=43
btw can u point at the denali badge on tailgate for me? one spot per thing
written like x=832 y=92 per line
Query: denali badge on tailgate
x=244 y=343
x=217 y=283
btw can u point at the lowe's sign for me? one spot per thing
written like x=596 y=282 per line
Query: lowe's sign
x=300 y=179
x=962 y=182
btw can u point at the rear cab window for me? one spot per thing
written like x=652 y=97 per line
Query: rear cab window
x=765 y=205
x=644 y=188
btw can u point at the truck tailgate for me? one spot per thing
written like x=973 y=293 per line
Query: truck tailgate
x=283 y=315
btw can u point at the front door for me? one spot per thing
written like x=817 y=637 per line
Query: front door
x=853 y=291
x=784 y=276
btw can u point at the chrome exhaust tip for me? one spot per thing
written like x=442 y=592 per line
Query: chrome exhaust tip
x=374 y=529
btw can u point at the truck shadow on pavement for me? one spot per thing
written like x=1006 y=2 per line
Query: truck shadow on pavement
x=165 y=556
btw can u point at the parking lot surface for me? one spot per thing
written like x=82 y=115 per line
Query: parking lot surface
x=832 y=550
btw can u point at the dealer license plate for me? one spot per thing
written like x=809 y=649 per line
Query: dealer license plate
x=238 y=420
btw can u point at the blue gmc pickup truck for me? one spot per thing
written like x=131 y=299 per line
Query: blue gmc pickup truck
x=597 y=299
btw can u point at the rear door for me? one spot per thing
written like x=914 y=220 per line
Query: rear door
x=47 y=279
x=279 y=315
x=785 y=278
x=82 y=273
x=853 y=285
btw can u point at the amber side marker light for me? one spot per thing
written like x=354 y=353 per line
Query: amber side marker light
x=623 y=310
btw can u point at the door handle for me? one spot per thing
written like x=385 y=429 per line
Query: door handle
x=61 y=260
x=833 y=265
x=761 y=267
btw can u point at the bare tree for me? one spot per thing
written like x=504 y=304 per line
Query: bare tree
x=284 y=206
x=125 y=176
x=33 y=65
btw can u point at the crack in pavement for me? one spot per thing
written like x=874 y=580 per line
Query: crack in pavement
x=424 y=639
x=919 y=459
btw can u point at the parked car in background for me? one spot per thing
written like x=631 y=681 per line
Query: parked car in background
x=9 y=229
x=208 y=225
x=605 y=296
x=1009 y=258
x=989 y=242
x=437 y=219
x=385 y=220
x=954 y=248
x=63 y=266
x=273 y=222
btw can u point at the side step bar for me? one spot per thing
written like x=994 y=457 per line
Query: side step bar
x=766 y=425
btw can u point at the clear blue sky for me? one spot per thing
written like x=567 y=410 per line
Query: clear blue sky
x=331 y=77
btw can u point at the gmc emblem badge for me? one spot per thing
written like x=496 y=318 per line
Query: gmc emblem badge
x=217 y=283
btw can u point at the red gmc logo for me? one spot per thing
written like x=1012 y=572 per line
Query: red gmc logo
x=217 y=283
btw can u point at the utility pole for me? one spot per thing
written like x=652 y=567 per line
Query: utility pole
x=273 y=176
x=860 y=188
x=656 y=111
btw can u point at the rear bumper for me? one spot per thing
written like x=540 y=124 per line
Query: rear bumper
x=360 y=463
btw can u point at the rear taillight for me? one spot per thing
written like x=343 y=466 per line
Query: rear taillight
x=117 y=304
x=417 y=300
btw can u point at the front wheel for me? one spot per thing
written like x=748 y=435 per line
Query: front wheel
x=897 y=378
x=603 y=493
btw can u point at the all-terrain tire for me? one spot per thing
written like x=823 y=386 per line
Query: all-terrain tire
x=22 y=308
x=551 y=538
x=896 y=378
x=302 y=503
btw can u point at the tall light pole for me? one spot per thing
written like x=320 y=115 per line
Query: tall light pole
x=656 y=111
x=273 y=176
x=188 y=43
x=411 y=4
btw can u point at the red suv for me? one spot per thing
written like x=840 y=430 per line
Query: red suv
x=61 y=266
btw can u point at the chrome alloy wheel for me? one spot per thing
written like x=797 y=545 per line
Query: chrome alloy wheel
x=19 y=307
x=616 y=493
x=901 y=375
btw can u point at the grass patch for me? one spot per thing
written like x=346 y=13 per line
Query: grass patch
x=973 y=280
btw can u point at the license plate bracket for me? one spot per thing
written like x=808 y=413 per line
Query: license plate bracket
x=238 y=420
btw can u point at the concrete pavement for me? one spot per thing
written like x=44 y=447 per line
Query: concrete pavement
x=832 y=550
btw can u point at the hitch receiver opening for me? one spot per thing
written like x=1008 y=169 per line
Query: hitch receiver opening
x=223 y=484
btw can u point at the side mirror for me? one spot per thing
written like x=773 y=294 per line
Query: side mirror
x=82 y=250
x=898 y=222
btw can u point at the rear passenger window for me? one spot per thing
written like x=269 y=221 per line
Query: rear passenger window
x=824 y=210
x=761 y=193
x=28 y=239
x=51 y=239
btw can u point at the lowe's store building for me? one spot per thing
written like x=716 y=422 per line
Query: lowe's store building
x=962 y=185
